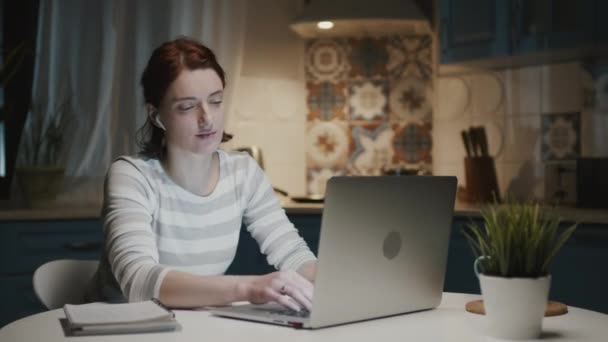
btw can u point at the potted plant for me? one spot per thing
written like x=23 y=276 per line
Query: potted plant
x=514 y=249
x=40 y=172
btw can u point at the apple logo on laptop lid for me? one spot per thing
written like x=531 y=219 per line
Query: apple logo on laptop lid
x=392 y=245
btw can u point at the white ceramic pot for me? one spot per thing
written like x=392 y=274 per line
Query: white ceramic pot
x=514 y=307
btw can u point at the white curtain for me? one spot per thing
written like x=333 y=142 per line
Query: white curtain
x=93 y=52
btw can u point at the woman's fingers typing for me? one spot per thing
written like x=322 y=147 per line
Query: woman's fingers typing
x=287 y=288
x=283 y=299
x=305 y=286
x=299 y=296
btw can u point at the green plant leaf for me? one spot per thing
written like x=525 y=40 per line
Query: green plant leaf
x=44 y=133
x=13 y=62
x=519 y=238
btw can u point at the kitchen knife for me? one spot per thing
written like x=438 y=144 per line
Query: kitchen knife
x=474 y=140
x=466 y=142
x=483 y=141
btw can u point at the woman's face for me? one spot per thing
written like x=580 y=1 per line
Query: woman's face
x=192 y=112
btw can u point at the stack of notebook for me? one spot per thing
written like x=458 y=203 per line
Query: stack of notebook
x=100 y=318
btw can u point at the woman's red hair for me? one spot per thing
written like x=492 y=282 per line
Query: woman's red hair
x=164 y=66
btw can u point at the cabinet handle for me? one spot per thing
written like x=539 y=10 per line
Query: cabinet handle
x=82 y=246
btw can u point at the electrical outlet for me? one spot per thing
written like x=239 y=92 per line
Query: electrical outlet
x=560 y=182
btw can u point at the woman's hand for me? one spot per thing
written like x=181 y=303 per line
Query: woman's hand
x=287 y=288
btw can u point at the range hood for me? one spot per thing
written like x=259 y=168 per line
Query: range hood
x=335 y=18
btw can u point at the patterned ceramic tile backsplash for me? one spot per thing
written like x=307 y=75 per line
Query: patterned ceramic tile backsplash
x=561 y=136
x=370 y=106
x=539 y=119
x=327 y=107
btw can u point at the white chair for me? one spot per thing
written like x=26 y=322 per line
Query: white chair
x=60 y=282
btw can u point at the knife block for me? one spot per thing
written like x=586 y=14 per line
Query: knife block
x=480 y=175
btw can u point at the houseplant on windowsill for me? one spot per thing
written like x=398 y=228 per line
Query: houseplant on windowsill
x=40 y=172
x=514 y=250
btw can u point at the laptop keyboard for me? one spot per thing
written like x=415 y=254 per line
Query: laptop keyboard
x=288 y=312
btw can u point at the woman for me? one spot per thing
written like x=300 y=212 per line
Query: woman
x=172 y=216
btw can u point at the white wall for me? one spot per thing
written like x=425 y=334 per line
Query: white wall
x=510 y=103
x=270 y=99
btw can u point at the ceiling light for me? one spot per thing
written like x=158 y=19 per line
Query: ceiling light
x=360 y=18
x=325 y=25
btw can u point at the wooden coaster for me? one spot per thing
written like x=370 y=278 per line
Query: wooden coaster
x=553 y=308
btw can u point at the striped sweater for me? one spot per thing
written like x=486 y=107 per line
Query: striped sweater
x=152 y=225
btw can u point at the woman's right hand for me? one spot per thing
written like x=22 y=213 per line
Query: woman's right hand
x=287 y=288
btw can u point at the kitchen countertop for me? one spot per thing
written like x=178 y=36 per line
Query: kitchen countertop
x=570 y=214
x=52 y=213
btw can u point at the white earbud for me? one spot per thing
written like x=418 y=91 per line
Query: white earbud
x=158 y=122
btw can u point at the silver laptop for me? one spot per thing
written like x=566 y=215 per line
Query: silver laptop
x=382 y=251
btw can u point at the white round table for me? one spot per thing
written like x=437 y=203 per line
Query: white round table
x=449 y=322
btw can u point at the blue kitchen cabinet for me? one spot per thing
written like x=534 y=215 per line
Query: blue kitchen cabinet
x=459 y=275
x=601 y=24
x=25 y=245
x=474 y=29
x=545 y=25
x=249 y=260
x=309 y=227
x=17 y=298
x=486 y=29
x=579 y=276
